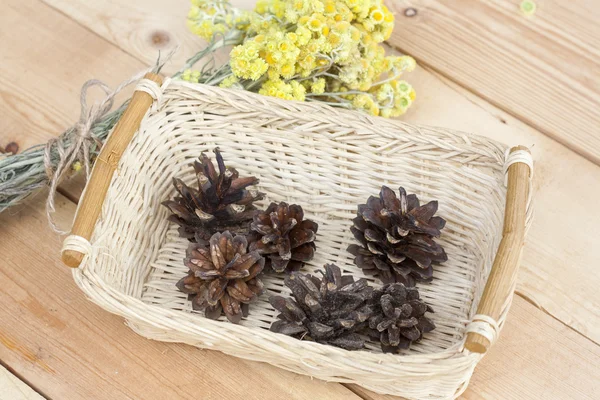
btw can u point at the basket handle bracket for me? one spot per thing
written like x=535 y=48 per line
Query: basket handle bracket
x=90 y=205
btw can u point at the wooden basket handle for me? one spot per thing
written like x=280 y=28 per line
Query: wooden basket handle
x=506 y=264
x=90 y=205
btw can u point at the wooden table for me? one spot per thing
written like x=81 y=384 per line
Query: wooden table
x=484 y=68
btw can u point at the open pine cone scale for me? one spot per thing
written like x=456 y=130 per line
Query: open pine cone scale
x=283 y=236
x=223 y=276
x=398 y=317
x=396 y=236
x=330 y=310
x=221 y=203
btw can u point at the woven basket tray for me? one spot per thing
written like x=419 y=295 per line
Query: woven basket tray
x=328 y=161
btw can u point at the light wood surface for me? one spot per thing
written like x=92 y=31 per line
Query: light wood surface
x=51 y=47
x=140 y=28
x=12 y=388
x=90 y=205
x=543 y=69
x=505 y=268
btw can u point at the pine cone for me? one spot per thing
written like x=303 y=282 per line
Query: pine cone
x=222 y=202
x=328 y=310
x=396 y=237
x=283 y=236
x=399 y=317
x=223 y=276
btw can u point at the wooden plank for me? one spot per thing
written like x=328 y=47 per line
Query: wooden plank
x=522 y=361
x=12 y=388
x=46 y=58
x=536 y=357
x=561 y=243
x=542 y=69
x=71 y=349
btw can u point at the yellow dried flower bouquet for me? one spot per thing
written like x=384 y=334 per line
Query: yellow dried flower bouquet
x=324 y=50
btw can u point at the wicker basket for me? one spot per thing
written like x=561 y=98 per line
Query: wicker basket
x=328 y=160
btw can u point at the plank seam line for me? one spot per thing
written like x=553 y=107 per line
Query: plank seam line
x=429 y=67
x=351 y=388
x=539 y=307
x=69 y=196
x=22 y=379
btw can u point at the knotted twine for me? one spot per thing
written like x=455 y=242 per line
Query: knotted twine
x=81 y=132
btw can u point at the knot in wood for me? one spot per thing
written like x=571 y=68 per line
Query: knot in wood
x=12 y=147
x=111 y=159
x=160 y=39
x=410 y=12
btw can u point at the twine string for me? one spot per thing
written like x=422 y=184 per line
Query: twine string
x=79 y=149
x=81 y=132
x=78 y=244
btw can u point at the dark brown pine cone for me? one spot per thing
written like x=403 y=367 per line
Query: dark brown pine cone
x=222 y=276
x=396 y=237
x=328 y=310
x=283 y=236
x=398 y=317
x=221 y=203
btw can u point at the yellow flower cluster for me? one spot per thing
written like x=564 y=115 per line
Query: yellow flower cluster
x=191 y=76
x=278 y=88
x=209 y=18
x=387 y=99
x=326 y=50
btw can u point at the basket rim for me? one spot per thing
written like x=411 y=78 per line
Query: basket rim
x=432 y=134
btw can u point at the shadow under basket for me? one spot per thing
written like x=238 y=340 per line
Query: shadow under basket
x=328 y=161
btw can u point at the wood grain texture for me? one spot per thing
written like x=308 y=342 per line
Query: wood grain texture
x=543 y=70
x=540 y=353
x=561 y=245
x=71 y=349
x=45 y=55
x=12 y=388
x=536 y=358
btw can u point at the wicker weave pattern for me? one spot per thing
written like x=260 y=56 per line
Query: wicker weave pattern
x=328 y=161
